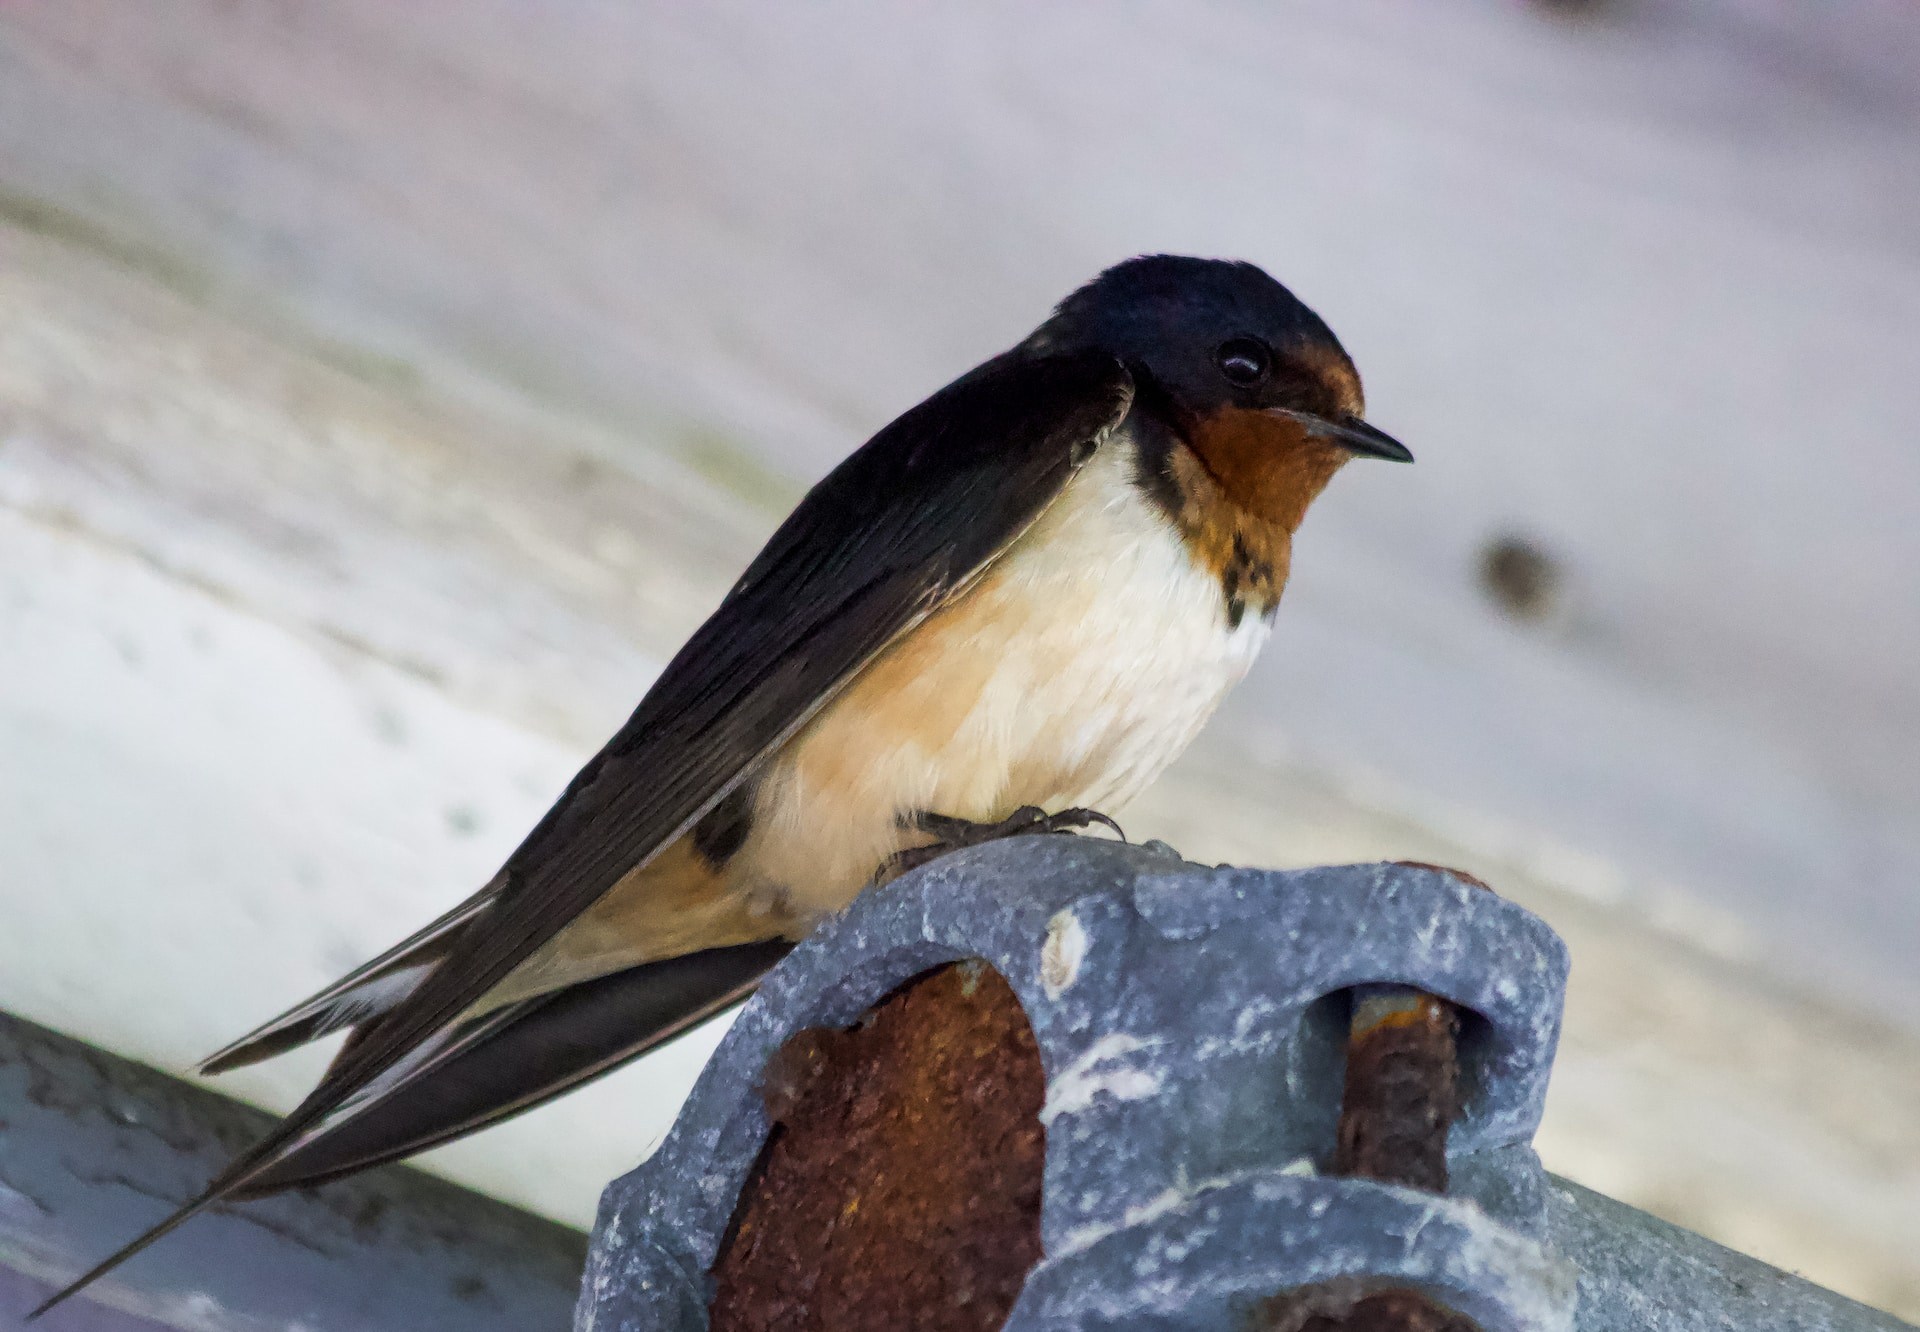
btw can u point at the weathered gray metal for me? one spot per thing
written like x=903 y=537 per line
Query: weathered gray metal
x=1640 y=1274
x=94 y=1148
x=1191 y=1025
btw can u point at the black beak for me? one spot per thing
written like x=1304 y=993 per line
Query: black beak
x=1352 y=434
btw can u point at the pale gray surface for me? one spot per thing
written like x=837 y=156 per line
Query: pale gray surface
x=93 y=1149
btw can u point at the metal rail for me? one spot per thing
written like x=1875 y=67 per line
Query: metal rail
x=93 y=1148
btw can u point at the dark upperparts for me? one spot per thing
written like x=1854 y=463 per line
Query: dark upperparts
x=1169 y=318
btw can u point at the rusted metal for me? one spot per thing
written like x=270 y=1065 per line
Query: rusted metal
x=1402 y=1083
x=1400 y=1095
x=901 y=1184
x=1400 y=1099
x=1472 y=881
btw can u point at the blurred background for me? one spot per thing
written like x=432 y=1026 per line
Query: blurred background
x=386 y=390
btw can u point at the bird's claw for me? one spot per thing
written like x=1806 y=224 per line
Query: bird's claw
x=954 y=834
x=1068 y=819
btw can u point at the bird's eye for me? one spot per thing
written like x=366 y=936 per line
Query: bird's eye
x=1244 y=361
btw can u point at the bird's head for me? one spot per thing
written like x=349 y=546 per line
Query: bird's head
x=1251 y=378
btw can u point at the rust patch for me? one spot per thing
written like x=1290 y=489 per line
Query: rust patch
x=1401 y=1095
x=1459 y=874
x=901 y=1185
x=1419 y=1010
x=1402 y=1087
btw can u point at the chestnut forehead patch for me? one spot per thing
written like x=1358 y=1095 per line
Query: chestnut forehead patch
x=1330 y=367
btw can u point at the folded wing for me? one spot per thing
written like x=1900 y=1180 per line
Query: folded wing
x=905 y=524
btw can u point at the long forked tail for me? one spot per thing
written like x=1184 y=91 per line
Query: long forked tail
x=359 y=997
x=477 y=1075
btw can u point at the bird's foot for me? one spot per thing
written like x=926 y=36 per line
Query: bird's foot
x=951 y=834
x=956 y=833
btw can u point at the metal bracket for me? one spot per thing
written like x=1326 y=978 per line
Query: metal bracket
x=1192 y=1024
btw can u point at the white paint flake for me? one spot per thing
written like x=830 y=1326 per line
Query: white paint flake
x=1075 y=1088
x=1062 y=954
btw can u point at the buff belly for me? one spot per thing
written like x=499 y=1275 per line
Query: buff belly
x=1071 y=674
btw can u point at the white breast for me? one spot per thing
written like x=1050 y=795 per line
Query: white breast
x=1125 y=651
x=1082 y=664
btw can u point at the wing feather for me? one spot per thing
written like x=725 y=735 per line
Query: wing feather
x=905 y=523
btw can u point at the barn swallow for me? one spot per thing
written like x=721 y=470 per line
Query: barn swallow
x=1010 y=608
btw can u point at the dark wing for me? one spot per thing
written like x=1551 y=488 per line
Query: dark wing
x=883 y=541
x=522 y=1056
x=901 y=526
x=361 y=995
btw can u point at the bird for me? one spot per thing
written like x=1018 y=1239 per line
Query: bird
x=1004 y=614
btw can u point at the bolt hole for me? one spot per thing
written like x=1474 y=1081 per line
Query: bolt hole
x=1317 y=1074
x=1474 y=1054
